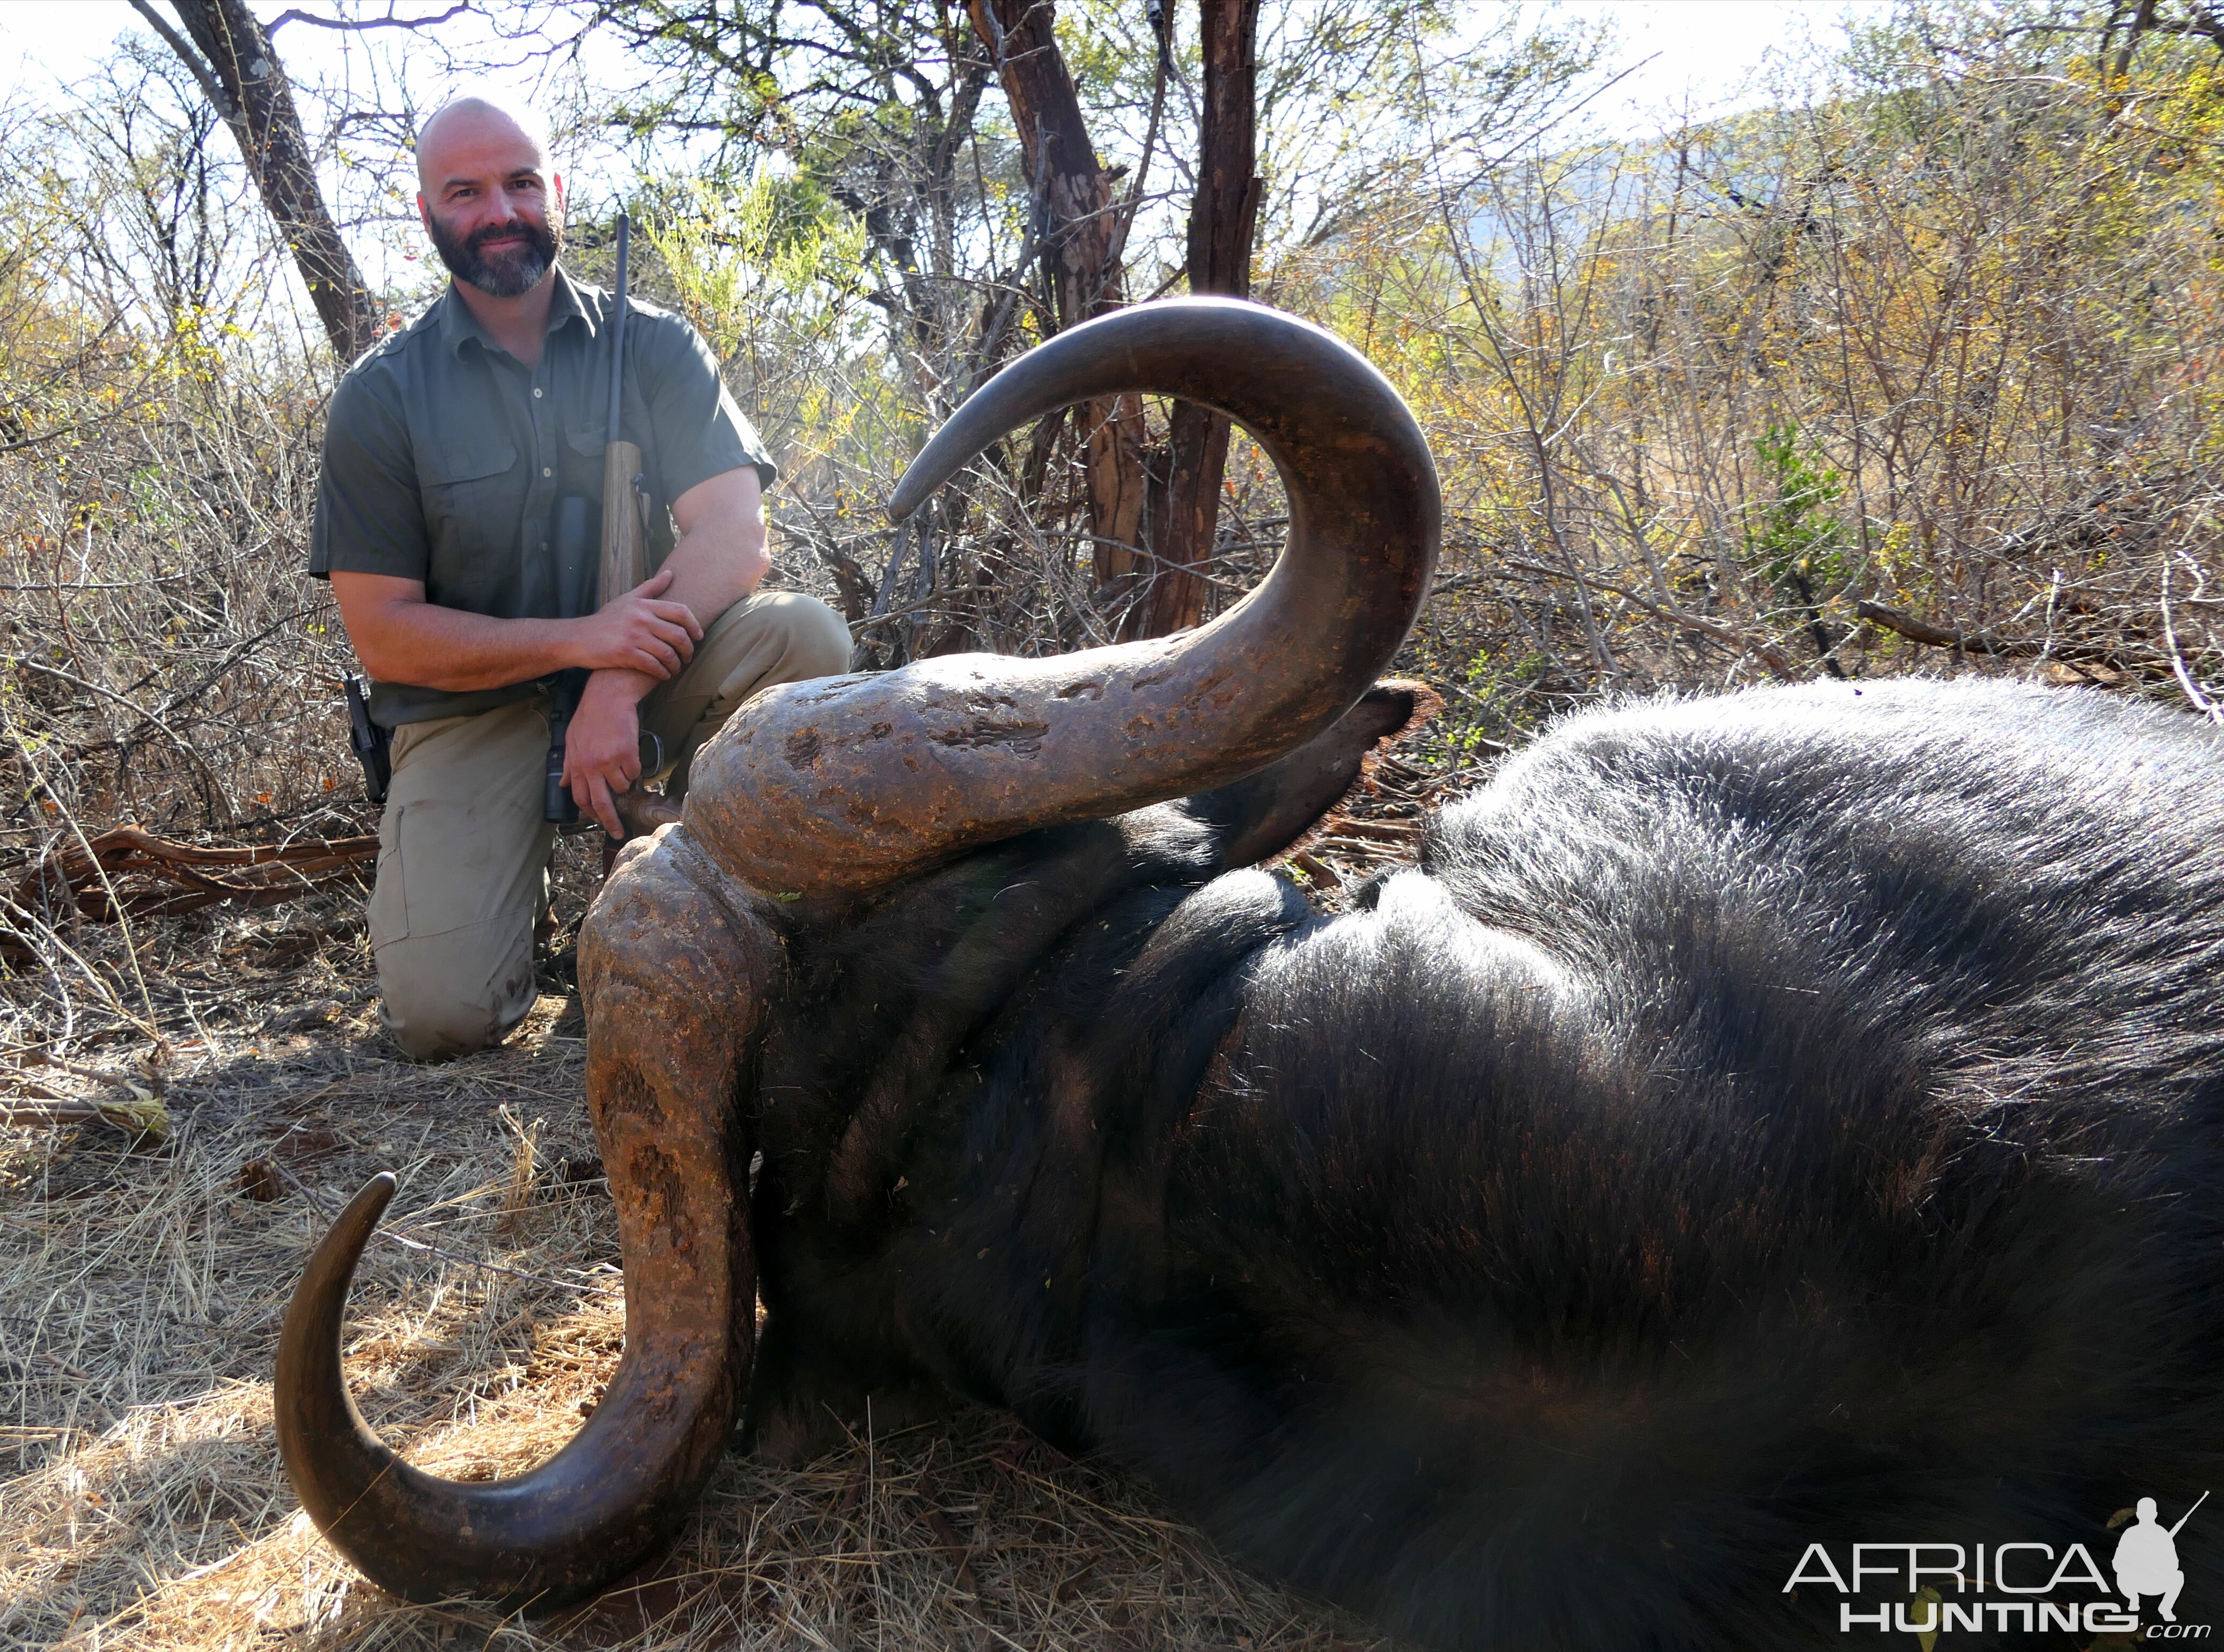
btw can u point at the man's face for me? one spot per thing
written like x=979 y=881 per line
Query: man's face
x=494 y=210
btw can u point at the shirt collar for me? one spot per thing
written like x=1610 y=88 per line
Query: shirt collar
x=456 y=322
x=567 y=304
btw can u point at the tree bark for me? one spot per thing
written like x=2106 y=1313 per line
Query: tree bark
x=231 y=56
x=1223 y=219
x=1078 y=255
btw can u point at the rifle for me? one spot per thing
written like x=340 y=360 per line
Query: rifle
x=624 y=561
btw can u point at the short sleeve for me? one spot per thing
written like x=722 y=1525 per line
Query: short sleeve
x=698 y=430
x=369 y=518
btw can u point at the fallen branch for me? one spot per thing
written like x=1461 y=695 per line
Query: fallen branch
x=1904 y=624
x=1398 y=833
x=139 y=1114
x=170 y=877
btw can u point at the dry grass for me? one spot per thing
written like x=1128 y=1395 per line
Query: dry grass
x=141 y=1290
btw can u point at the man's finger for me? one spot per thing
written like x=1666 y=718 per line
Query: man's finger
x=677 y=614
x=600 y=806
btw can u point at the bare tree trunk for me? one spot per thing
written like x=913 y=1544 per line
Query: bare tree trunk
x=1078 y=254
x=231 y=56
x=1223 y=218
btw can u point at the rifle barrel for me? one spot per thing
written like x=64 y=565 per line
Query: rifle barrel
x=617 y=328
x=2189 y=1514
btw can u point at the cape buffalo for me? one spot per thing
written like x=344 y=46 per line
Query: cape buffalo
x=1758 y=1121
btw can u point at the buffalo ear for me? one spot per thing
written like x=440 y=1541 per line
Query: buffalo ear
x=1263 y=813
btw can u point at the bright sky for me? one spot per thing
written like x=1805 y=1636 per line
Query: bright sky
x=1684 y=59
x=1691 y=59
x=47 y=42
x=1696 y=54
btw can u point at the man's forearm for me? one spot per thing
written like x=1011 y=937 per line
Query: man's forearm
x=401 y=637
x=716 y=566
x=452 y=649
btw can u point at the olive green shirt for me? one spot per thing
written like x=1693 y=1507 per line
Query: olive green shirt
x=444 y=456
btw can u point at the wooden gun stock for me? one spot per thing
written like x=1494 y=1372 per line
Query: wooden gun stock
x=625 y=524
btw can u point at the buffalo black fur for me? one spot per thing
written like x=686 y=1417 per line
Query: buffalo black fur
x=1785 y=1118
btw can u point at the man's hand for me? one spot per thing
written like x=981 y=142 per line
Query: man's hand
x=643 y=631
x=602 y=748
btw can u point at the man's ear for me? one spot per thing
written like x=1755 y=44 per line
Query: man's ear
x=1268 y=813
x=556 y=187
x=424 y=212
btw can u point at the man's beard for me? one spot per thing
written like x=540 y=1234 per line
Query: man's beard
x=505 y=274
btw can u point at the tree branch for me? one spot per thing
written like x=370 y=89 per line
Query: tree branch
x=185 y=54
x=354 y=26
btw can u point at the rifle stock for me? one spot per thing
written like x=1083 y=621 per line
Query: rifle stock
x=625 y=524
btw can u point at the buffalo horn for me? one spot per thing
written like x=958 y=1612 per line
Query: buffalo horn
x=840 y=786
x=672 y=962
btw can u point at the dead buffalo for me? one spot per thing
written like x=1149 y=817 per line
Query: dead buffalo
x=1785 y=1119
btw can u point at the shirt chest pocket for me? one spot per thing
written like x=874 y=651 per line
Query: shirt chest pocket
x=583 y=473
x=583 y=461
x=474 y=497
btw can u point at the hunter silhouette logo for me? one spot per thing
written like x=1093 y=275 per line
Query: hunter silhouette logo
x=2146 y=1558
x=1928 y=1588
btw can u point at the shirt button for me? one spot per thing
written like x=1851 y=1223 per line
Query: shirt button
x=536 y=392
x=546 y=471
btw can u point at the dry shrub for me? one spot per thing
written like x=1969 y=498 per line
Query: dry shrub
x=1918 y=374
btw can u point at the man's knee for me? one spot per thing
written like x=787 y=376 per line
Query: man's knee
x=810 y=640
x=825 y=641
x=452 y=1000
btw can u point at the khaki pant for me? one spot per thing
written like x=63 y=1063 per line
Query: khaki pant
x=463 y=853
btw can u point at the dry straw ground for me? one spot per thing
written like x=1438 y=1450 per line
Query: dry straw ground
x=141 y=1284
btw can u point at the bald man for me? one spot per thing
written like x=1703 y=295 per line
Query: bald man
x=446 y=452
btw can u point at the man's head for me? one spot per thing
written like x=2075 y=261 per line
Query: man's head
x=2147 y=1510
x=490 y=200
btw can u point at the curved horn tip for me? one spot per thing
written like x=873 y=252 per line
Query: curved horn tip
x=1127 y=338
x=324 y=1283
x=912 y=490
x=370 y=1201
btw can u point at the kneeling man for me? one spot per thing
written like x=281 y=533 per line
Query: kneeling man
x=448 y=448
